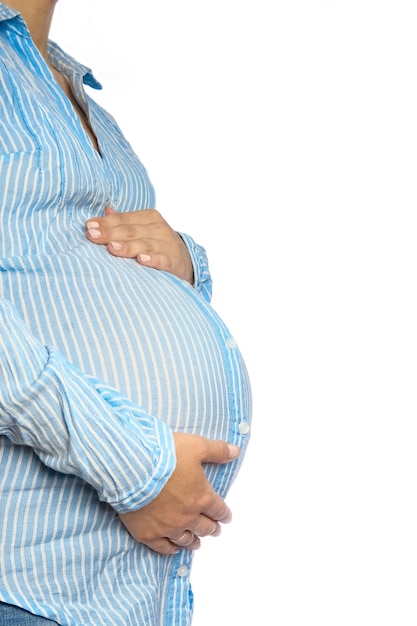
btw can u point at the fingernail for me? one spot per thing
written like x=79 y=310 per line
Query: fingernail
x=94 y=234
x=93 y=225
x=234 y=451
x=116 y=245
x=144 y=257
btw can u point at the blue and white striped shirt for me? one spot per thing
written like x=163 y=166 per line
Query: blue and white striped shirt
x=73 y=450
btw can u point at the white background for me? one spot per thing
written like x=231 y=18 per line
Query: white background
x=282 y=136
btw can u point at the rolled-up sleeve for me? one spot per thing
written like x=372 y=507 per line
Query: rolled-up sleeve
x=202 y=277
x=77 y=424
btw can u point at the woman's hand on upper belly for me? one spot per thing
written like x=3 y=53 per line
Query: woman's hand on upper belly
x=187 y=507
x=143 y=235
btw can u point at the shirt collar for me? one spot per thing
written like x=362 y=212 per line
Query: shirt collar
x=60 y=59
x=6 y=13
x=68 y=64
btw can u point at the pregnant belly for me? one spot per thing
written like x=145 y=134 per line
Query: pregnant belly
x=157 y=341
x=148 y=334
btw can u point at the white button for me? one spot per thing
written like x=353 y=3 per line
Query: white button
x=231 y=343
x=244 y=428
x=182 y=571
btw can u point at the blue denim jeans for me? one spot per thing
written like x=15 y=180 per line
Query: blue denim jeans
x=11 y=615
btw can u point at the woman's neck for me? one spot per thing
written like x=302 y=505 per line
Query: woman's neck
x=38 y=16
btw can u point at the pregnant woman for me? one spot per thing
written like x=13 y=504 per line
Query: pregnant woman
x=115 y=371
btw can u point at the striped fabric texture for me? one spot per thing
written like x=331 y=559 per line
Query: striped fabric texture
x=100 y=360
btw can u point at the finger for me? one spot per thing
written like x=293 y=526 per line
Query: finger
x=217 y=451
x=195 y=545
x=143 y=216
x=217 y=510
x=187 y=540
x=102 y=233
x=184 y=540
x=157 y=261
x=95 y=225
x=113 y=218
x=163 y=546
x=139 y=249
x=114 y=226
x=206 y=527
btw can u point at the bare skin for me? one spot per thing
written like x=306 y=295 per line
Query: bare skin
x=143 y=235
x=198 y=509
x=187 y=507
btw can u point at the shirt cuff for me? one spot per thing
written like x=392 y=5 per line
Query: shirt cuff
x=202 y=277
x=77 y=424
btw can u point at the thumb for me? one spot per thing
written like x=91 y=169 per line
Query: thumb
x=109 y=210
x=219 y=451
